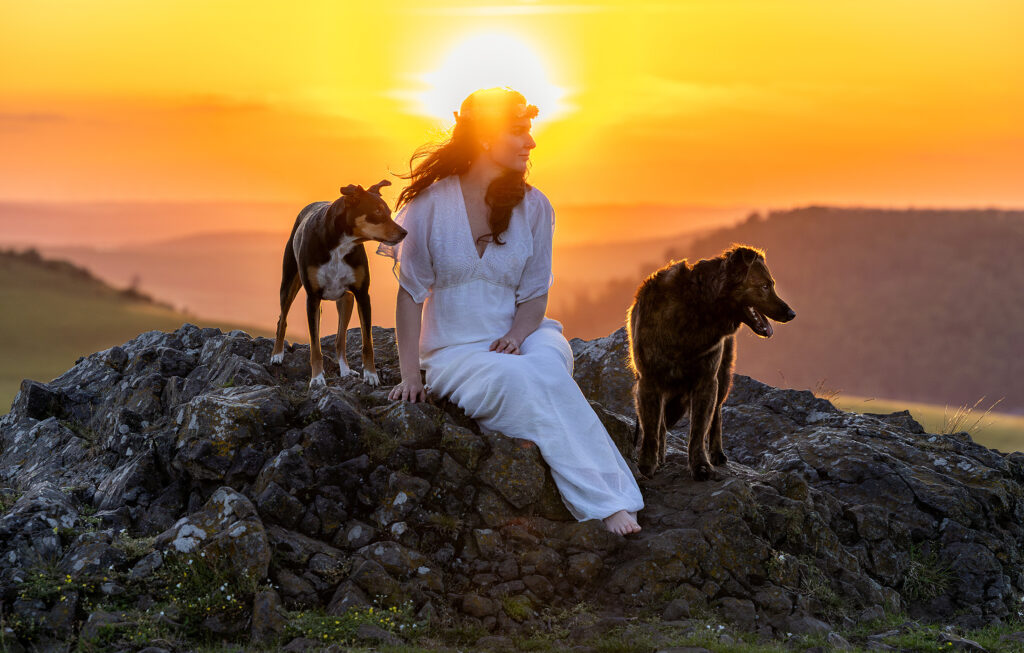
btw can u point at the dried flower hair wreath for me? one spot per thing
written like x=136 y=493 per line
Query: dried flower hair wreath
x=521 y=111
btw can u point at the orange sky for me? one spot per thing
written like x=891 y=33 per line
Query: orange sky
x=720 y=102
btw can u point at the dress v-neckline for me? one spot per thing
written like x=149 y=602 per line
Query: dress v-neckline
x=469 y=227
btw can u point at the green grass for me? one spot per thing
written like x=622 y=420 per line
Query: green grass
x=994 y=430
x=48 y=318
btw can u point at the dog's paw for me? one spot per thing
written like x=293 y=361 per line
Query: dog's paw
x=647 y=468
x=317 y=381
x=702 y=472
x=277 y=359
x=345 y=370
x=718 y=458
x=371 y=378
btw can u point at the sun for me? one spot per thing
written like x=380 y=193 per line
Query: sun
x=485 y=60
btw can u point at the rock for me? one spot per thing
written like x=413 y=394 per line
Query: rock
x=463 y=445
x=99 y=619
x=396 y=559
x=806 y=625
x=837 y=642
x=478 y=606
x=227 y=528
x=195 y=437
x=676 y=610
x=961 y=643
x=347 y=595
x=299 y=645
x=296 y=590
x=373 y=579
x=146 y=566
x=288 y=469
x=215 y=426
x=355 y=535
x=268 y=620
x=514 y=469
x=91 y=556
x=276 y=504
x=371 y=633
x=411 y=425
x=584 y=567
x=874 y=613
x=518 y=607
x=739 y=612
x=39 y=401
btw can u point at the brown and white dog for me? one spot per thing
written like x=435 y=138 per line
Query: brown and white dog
x=325 y=255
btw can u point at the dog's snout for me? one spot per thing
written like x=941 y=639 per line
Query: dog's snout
x=790 y=314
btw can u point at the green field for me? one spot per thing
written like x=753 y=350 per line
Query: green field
x=50 y=316
x=994 y=430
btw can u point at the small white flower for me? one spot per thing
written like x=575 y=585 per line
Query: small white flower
x=178 y=585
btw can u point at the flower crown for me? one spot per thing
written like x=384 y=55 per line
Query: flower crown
x=521 y=111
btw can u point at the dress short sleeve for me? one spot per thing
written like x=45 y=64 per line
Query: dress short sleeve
x=537 y=278
x=413 y=262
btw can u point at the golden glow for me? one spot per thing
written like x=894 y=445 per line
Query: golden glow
x=745 y=102
x=485 y=60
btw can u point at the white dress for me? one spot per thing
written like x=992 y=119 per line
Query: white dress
x=468 y=302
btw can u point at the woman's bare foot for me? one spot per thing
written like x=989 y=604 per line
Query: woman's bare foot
x=622 y=523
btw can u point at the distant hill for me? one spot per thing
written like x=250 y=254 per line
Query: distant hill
x=236 y=276
x=922 y=305
x=54 y=311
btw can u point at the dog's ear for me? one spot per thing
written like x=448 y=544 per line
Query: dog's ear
x=375 y=189
x=352 y=190
x=738 y=262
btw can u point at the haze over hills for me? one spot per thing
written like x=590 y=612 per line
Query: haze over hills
x=54 y=312
x=119 y=224
x=236 y=276
x=891 y=303
x=917 y=304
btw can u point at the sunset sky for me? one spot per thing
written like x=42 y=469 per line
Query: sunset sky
x=724 y=102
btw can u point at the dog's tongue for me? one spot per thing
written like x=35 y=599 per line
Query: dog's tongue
x=768 y=330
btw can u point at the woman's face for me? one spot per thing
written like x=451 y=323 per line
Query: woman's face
x=511 y=148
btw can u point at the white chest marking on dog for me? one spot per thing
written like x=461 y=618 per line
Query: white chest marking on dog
x=336 y=275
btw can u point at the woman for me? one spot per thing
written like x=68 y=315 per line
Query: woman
x=474 y=273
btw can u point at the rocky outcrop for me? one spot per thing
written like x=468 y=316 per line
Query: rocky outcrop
x=193 y=444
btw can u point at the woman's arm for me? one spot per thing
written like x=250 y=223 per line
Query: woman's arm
x=526 y=320
x=408 y=319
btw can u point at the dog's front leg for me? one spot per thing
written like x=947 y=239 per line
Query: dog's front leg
x=718 y=456
x=340 y=341
x=649 y=418
x=369 y=369
x=702 y=408
x=316 y=357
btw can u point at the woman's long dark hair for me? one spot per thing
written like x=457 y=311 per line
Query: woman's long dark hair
x=482 y=115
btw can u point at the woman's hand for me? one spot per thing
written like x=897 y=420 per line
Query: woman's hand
x=411 y=391
x=507 y=344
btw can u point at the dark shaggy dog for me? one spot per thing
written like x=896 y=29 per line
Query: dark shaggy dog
x=682 y=345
